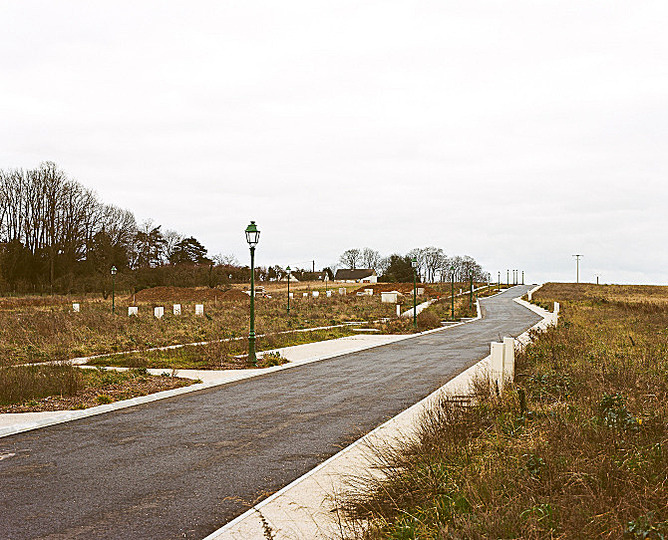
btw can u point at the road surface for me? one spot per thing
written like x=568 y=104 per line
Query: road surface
x=185 y=466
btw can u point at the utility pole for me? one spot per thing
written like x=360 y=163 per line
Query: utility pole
x=577 y=267
x=314 y=267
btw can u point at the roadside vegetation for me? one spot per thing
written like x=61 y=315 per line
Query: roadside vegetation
x=575 y=448
x=45 y=329
x=41 y=329
x=61 y=387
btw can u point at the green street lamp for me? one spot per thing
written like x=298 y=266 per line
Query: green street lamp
x=252 y=237
x=452 y=293
x=113 y=289
x=414 y=266
x=287 y=269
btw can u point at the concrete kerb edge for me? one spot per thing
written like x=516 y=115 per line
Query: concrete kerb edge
x=422 y=405
x=72 y=415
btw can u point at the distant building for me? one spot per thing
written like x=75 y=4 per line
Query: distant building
x=362 y=275
x=313 y=276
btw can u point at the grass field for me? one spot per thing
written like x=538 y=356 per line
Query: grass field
x=53 y=332
x=577 y=448
x=41 y=329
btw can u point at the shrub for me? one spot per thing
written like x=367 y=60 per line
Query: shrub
x=427 y=320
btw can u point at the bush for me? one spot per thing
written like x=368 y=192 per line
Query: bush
x=427 y=320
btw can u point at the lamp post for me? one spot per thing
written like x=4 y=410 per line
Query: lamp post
x=113 y=289
x=252 y=237
x=452 y=293
x=499 y=279
x=507 y=277
x=471 y=291
x=414 y=266
x=287 y=269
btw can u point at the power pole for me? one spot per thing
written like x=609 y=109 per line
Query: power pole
x=577 y=267
x=314 y=267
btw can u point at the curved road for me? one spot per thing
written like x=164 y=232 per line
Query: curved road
x=183 y=467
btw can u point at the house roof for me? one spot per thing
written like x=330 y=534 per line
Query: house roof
x=358 y=273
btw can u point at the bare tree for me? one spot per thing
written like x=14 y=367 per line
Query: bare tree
x=228 y=259
x=351 y=258
x=432 y=259
x=172 y=239
x=370 y=258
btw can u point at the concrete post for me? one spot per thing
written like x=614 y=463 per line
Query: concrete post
x=158 y=312
x=76 y=308
x=133 y=310
x=199 y=309
x=176 y=308
x=398 y=310
x=509 y=358
x=496 y=366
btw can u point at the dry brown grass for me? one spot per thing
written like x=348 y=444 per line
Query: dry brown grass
x=575 y=449
x=54 y=332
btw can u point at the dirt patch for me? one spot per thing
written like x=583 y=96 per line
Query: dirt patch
x=234 y=295
x=91 y=397
x=183 y=294
x=403 y=288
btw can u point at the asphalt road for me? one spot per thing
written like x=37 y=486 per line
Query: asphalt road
x=183 y=467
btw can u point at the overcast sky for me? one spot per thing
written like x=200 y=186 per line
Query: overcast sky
x=517 y=132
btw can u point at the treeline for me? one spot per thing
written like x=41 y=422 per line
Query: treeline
x=57 y=236
x=433 y=265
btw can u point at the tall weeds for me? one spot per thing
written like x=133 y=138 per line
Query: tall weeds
x=576 y=448
x=20 y=384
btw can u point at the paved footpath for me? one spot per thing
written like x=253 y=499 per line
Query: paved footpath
x=182 y=467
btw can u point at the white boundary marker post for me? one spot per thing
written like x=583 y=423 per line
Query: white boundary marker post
x=496 y=367
x=509 y=358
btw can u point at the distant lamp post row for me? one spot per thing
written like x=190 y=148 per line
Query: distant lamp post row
x=515 y=279
x=113 y=289
x=414 y=265
x=252 y=237
x=452 y=293
x=287 y=269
